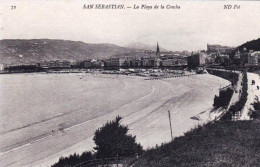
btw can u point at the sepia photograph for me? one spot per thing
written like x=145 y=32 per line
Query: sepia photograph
x=129 y=83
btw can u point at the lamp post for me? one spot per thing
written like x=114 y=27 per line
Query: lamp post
x=169 y=114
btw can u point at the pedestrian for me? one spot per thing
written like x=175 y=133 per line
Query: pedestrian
x=253 y=82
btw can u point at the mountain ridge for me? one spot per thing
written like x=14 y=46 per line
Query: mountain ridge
x=28 y=51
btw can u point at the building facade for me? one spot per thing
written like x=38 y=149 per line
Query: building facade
x=253 y=58
x=197 y=59
x=116 y=62
x=219 y=48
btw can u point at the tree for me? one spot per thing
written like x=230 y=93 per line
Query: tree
x=113 y=140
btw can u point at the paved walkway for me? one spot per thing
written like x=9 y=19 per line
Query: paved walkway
x=253 y=95
x=237 y=90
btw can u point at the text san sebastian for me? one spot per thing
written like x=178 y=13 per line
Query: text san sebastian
x=103 y=6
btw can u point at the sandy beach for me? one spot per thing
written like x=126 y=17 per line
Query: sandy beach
x=36 y=114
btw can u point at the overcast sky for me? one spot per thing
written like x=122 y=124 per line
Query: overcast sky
x=190 y=28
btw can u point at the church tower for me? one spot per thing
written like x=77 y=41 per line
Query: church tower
x=158 y=54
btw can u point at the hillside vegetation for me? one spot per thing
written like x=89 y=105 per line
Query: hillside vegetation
x=36 y=50
x=220 y=144
x=251 y=45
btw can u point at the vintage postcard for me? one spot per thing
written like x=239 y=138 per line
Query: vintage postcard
x=133 y=83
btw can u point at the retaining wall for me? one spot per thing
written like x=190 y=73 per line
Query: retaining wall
x=232 y=76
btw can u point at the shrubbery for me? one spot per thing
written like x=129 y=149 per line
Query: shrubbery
x=112 y=140
x=255 y=114
x=223 y=99
x=74 y=159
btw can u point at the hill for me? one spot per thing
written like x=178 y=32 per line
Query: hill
x=141 y=46
x=36 y=50
x=251 y=45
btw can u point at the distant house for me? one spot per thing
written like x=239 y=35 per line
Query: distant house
x=87 y=63
x=210 y=60
x=176 y=61
x=137 y=63
x=93 y=63
x=101 y=64
x=115 y=62
x=155 y=61
x=2 y=67
x=197 y=59
x=218 y=48
x=253 y=58
x=238 y=54
x=146 y=62
x=59 y=64
x=132 y=62
x=44 y=64
x=182 y=61
x=168 y=62
x=107 y=63
x=97 y=63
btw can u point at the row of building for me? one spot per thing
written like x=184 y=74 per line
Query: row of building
x=118 y=62
x=197 y=59
x=215 y=48
x=248 y=57
x=156 y=59
x=214 y=55
x=242 y=57
x=164 y=61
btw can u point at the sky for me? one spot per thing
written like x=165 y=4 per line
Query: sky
x=190 y=28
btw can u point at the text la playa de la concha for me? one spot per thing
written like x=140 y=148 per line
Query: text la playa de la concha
x=135 y=6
